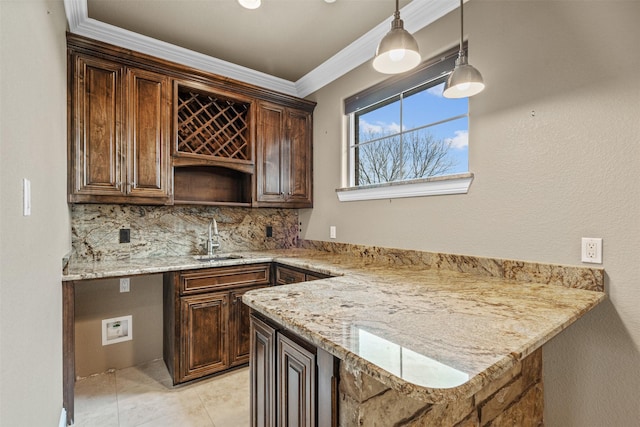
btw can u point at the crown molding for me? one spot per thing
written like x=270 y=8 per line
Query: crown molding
x=416 y=15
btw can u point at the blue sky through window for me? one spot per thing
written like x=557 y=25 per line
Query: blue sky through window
x=420 y=109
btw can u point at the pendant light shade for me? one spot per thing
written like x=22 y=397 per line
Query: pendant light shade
x=464 y=80
x=250 y=4
x=398 y=51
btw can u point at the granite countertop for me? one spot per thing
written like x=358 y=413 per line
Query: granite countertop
x=318 y=261
x=88 y=270
x=435 y=335
x=432 y=333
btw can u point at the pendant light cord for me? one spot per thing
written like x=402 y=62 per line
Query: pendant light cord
x=461 y=27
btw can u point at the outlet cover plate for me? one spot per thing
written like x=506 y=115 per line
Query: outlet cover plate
x=117 y=329
x=125 y=235
x=592 y=250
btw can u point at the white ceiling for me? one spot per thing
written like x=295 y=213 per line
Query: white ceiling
x=293 y=46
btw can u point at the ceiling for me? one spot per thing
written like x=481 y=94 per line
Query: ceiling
x=283 y=38
x=292 y=46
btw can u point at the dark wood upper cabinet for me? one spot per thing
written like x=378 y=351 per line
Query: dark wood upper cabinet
x=212 y=127
x=95 y=154
x=143 y=130
x=119 y=134
x=283 y=157
x=148 y=141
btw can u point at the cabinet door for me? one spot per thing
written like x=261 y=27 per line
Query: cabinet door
x=285 y=276
x=296 y=376
x=269 y=160
x=298 y=162
x=239 y=328
x=262 y=371
x=148 y=135
x=283 y=157
x=95 y=151
x=204 y=343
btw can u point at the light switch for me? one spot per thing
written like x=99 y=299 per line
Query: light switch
x=26 y=197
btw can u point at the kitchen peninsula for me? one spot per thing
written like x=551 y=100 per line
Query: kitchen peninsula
x=414 y=337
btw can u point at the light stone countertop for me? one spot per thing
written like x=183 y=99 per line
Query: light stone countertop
x=88 y=270
x=434 y=334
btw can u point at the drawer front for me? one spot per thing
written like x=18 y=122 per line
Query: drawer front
x=284 y=276
x=220 y=278
x=314 y=276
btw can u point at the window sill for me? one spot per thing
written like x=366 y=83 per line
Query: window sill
x=435 y=186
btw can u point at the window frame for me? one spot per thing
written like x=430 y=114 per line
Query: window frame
x=430 y=71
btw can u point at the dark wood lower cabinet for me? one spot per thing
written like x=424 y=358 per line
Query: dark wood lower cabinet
x=293 y=383
x=263 y=374
x=239 y=328
x=285 y=275
x=204 y=346
x=206 y=325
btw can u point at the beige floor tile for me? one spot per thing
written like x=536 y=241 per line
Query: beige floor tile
x=96 y=404
x=143 y=396
x=226 y=398
x=163 y=409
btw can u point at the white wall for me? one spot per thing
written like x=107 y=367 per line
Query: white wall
x=32 y=145
x=541 y=183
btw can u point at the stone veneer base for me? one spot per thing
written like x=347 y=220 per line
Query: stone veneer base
x=515 y=399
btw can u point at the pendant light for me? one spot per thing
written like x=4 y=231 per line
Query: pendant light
x=398 y=50
x=464 y=80
x=249 y=4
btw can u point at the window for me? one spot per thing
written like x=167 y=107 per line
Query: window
x=403 y=131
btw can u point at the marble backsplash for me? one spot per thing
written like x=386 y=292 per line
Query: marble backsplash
x=523 y=271
x=176 y=230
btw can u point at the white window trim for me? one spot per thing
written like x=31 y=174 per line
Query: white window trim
x=432 y=186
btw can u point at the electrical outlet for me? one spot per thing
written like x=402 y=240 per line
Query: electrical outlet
x=125 y=285
x=125 y=235
x=592 y=250
x=332 y=232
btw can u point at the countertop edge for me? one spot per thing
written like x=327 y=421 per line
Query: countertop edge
x=426 y=394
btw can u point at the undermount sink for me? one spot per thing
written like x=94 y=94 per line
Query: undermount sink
x=208 y=258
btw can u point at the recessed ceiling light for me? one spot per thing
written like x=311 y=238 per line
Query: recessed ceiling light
x=250 y=4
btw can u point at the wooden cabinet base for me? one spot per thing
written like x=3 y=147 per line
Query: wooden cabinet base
x=206 y=325
x=293 y=383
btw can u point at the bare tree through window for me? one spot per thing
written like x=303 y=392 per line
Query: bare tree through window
x=398 y=157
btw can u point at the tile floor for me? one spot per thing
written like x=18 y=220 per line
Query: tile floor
x=142 y=396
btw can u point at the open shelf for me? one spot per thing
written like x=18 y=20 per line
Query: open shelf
x=210 y=185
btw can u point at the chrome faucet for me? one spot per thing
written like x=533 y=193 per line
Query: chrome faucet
x=214 y=238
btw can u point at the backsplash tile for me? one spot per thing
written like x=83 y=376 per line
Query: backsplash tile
x=175 y=230
x=562 y=275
